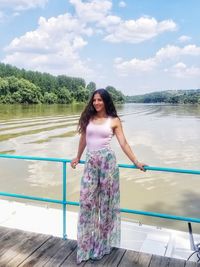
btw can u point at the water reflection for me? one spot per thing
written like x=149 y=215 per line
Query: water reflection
x=23 y=111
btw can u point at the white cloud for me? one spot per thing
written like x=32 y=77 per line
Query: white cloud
x=192 y=50
x=114 y=27
x=122 y=4
x=53 y=47
x=60 y=63
x=50 y=35
x=136 y=31
x=109 y=22
x=184 y=38
x=181 y=70
x=92 y=11
x=174 y=52
x=134 y=65
x=166 y=60
x=168 y=52
x=22 y=4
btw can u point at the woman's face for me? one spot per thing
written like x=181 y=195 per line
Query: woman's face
x=98 y=103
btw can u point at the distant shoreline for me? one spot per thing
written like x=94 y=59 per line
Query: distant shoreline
x=191 y=96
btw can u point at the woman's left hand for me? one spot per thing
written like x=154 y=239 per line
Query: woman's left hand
x=140 y=165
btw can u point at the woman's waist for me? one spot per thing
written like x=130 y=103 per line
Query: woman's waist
x=99 y=149
x=96 y=145
x=102 y=155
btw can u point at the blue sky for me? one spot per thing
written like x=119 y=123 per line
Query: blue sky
x=137 y=46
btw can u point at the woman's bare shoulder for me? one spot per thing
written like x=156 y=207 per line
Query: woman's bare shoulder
x=115 y=121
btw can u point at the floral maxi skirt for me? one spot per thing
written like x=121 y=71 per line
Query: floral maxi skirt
x=99 y=216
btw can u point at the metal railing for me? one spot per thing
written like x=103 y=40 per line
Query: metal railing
x=64 y=202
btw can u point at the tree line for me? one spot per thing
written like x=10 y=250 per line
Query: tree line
x=33 y=87
x=191 y=96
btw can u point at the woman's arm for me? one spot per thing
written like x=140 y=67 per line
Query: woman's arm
x=81 y=147
x=118 y=131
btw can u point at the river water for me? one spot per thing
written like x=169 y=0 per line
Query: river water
x=160 y=135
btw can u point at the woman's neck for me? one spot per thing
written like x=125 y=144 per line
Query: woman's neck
x=101 y=114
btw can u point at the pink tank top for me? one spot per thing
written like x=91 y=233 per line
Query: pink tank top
x=98 y=135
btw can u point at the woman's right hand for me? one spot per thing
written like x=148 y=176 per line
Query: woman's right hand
x=140 y=165
x=74 y=162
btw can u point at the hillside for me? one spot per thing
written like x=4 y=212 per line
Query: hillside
x=191 y=96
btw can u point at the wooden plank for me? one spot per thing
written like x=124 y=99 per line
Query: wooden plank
x=11 y=251
x=112 y=259
x=192 y=264
x=64 y=251
x=9 y=239
x=130 y=258
x=144 y=259
x=135 y=259
x=176 y=263
x=71 y=261
x=159 y=261
x=3 y=231
x=20 y=248
x=43 y=254
x=21 y=251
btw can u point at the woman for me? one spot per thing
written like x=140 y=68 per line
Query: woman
x=99 y=215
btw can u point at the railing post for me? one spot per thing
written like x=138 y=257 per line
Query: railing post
x=64 y=198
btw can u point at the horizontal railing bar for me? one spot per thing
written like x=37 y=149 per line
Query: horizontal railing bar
x=34 y=158
x=161 y=215
x=149 y=213
x=154 y=168
x=138 y=212
x=128 y=166
x=162 y=169
x=48 y=200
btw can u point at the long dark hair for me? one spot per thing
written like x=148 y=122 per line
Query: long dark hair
x=90 y=111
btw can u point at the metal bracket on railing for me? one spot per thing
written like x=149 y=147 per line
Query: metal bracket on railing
x=193 y=246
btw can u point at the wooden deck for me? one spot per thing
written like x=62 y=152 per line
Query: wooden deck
x=20 y=248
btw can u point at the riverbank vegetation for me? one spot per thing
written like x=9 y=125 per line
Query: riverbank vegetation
x=171 y=96
x=33 y=87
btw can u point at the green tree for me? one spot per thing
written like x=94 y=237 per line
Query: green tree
x=91 y=87
x=7 y=99
x=30 y=93
x=64 y=96
x=4 y=86
x=81 y=94
x=17 y=97
x=70 y=82
x=16 y=84
x=50 y=98
x=116 y=95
